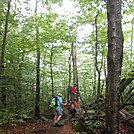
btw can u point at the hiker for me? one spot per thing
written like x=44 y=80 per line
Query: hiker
x=57 y=109
x=73 y=93
x=72 y=108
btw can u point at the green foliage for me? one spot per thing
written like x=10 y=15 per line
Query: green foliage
x=19 y=74
x=11 y=118
x=90 y=111
x=78 y=127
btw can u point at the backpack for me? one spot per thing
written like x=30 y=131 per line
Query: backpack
x=72 y=105
x=54 y=102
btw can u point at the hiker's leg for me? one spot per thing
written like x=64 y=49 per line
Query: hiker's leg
x=55 y=118
x=60 y=114
x=59 y=117
x=74 y=111
x=55 y=114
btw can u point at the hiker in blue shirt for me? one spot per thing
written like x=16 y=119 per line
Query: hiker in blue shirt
x=57 y=109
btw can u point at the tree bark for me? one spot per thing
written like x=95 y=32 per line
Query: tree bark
x=37 y=101
x=114 y=59
x=5 y=35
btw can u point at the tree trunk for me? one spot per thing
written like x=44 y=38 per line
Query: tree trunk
x=51 y=58
x=114 y=59
x=37 y=101
x=94 y=83
x=5 y=35
x=3 y=92
x=75 y=73
x=69 y=63
x=96 y=62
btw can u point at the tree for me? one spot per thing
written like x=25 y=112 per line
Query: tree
x=75 y=72
x=97 y=68
x=5 y=35
x=52 y=70
x=37 y=110
x=114 y=59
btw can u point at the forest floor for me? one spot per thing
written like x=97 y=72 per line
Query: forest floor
x=34 y=127
x=46 y=127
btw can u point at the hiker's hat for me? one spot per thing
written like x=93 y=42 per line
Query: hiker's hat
x=60 y=94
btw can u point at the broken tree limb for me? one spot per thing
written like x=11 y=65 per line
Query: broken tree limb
x=127 y=119
x=126 y=113
x=83 y=106
x=127 y=116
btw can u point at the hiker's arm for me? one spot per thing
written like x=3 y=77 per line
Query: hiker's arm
x=73 y=92
x=63 y=104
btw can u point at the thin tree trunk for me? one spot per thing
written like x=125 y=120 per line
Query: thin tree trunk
x=94 y=84
x=69 y=63
x=51 y=59
x=37 y=101
x=5 y=35
x=3 y=92
x=96 y=62
x=75 y=73
x=96 y=55
x=114 y=60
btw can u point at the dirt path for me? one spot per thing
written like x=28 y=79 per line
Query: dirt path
x=31 y=127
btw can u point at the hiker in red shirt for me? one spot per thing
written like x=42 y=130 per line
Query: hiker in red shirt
x=73 y=93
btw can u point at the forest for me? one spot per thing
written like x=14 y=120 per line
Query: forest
x=48 y=46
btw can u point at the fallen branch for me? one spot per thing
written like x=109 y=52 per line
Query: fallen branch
x=97 y=113
x=84 y=106
x=130 y=91
x=129 y=97
x=128 y=117
x=126 y=104
x=124 y=83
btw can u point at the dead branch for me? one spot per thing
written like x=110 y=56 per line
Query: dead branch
x=124 y=83
x=97 y=113
x=127 y=119
x=129 y=97
x=126 y=104
x=84 y=106
x=130 y=91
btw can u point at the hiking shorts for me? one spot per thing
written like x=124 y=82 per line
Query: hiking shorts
x=57 y=111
